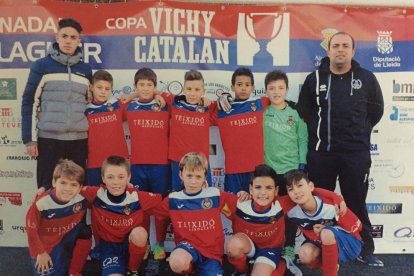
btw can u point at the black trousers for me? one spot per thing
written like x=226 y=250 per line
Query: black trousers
x=352 y=169
x=51 y=150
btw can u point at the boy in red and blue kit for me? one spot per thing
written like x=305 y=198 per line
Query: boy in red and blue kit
x=195 y=215
x=330 y=239
x=117 y=216
x=189 y=123
x=240 y=123
x=59 y=241
x=106 y=132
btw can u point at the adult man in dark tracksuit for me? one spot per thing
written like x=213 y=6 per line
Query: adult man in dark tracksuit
x=341 y=103
x=54 y=125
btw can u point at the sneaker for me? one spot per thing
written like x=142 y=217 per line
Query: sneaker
x=289 y=251
x=370 y=260
x=159 y=252
x=239 y=273
x=290 y=265
x=131 y=273
x=147 y=253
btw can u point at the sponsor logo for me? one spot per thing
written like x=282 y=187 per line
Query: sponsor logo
x=51 y=215
x=402 y=115
x=356 y=84
x=214 y=89
x=377 y=231
x=385 y=46
x=396 y=170
x=20 y=158
x=217 y=171
x=16 y=174
x=402 y=91
x=6 y=141
x=180 y=206
x=371 y=183
x=198 y=225
x=173 y=87
x=122 y=222
x=327 y=35
x=8 y=89
x=384 y=208
x=323 y=88
x=8 y=118
x=405 y=232
x=31 y=24
x=122 y=23
x=110 y=261
x=402 y=189
x=384 y=42
x=374 y=149
x=117 y=93
x=13 y=198
x=266 y=47
x=19 y=228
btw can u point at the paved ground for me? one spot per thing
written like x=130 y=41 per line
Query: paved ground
x=16 y=262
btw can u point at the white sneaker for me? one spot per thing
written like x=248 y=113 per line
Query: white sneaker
x=292 y=267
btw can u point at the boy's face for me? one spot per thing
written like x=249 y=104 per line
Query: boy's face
x=193 y=91
x=116 y=179
x=193 y=179
x=66 y=188
x=300 y=192
x=277 y=91
x=68 y=40
x=263 y=190
x=242 y=87
x=101 y=90
x=145 y=90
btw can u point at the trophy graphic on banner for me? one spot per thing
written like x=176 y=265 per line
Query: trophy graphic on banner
x=263 y=28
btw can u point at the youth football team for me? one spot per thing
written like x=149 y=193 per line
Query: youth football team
x=167 y=175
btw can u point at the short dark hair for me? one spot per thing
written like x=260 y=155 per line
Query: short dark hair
x=145 y=74
x=242 y=71
x=342 y=33
x=276 y=75
x=294 y=176
x=102 y=75
x=70 y=22
x=264 y=170
x=118 y=161
x=193 y=75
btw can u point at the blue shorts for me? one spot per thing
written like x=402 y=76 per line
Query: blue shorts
x=151 y=178
x=177 y=184
x=61 y=254
x=234 y=183
x=93 y=177
x=205 y=266
x=349 y=247
x=113 y=256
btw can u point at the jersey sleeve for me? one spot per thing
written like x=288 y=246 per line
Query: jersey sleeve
x=228 y=204
x=265 y=102
x=149 y=201
x=213 y=110
x=350 y=223
x=162 y=211
x=168 y=97
x=123 y=109
x=336 y=199
x=286 y=203
x=32 y=226
x=89 y=193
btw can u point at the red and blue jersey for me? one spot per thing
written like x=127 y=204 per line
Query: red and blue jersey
x=189 y=127
x=325 y=215
x=113 y=222
x=106 y=132
x=148 y=126
x=48 y=221
x=196 y=219
x=241 y=133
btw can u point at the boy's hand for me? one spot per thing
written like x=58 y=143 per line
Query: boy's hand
x=126 y=98
x=341 y=209
x=206 y=102
x=225 y=101
x=43 y=263
x=160 y=100
x=32 y=150
x=317 y=228
x=40 y=191
x=243 y=196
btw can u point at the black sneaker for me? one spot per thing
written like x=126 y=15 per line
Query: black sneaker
x=370 y=260
x=132 y=273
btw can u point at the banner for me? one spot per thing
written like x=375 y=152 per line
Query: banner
x=173 y=37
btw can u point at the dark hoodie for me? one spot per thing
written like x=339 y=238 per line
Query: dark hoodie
x=340 y=110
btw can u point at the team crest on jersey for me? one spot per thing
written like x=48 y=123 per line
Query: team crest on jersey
x=110 y=107
x=253 y=106
x=290 y=120
x=207 y=203
x=356 y=83
x=200 y=108
x=156 y=107
x=77 y=207
x=127 y=210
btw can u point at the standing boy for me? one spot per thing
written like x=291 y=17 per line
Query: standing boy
x=106 y=132
x=117 y=216
x=59 y=242
x=241 y=131
x=330 y=239
x=54 y=125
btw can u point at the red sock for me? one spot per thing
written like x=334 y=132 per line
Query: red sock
x=330 y=257
x=315 y=264
x=161 y=229
x=189 y=270
x=240 y=264
x=80 y=253
x=136 y=254
x=280 y=270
